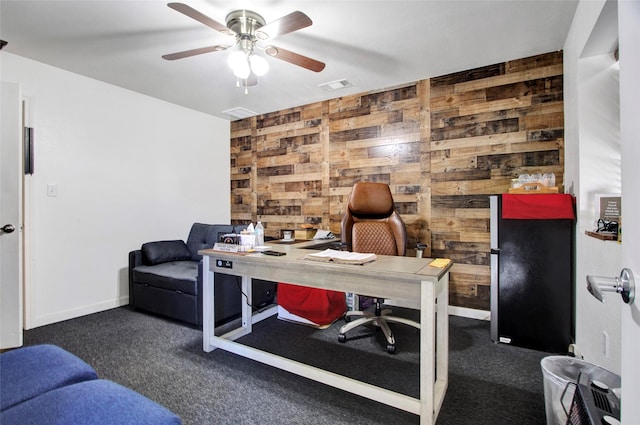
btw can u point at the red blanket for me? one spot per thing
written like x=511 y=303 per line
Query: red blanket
x=321 y=306
x=538 y=206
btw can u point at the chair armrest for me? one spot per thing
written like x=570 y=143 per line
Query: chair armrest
x=135 y=260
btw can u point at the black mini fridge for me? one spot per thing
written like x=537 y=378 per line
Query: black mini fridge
x=532 y=271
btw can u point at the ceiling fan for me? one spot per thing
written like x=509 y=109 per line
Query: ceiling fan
x=248 y=28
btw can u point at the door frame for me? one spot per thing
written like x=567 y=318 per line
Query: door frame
x=28 y=108
x=629 y=35
x=11 y=266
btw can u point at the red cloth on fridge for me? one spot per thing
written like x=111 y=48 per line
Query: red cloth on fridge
x=538 y=206
x=321 y=306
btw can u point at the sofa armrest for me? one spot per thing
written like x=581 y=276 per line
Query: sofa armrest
x=135 y=260
x=159 y=252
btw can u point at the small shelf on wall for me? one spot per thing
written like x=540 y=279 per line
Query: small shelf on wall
x=603 y=236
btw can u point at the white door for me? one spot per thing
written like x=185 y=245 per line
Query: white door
x=10 y=216
x=629 y=38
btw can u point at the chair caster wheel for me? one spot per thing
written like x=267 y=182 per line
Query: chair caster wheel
x=391 y=348
x=342 y=338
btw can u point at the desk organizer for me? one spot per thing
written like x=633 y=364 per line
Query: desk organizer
x=306 y=234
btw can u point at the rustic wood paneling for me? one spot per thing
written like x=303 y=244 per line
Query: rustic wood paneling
x=443 y=145
x=377 y=137
x=489 y=126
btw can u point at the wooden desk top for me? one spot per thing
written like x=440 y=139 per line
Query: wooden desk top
x=387 y=276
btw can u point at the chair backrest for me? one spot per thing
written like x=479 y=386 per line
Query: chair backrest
x=371 y=222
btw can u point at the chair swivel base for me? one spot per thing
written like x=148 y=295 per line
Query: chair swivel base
x=380 y=318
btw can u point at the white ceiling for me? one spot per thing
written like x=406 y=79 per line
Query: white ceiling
x=373 y=44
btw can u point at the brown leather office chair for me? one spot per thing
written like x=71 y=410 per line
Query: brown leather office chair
x=372 y=224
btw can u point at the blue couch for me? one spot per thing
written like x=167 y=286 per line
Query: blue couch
x=44 y=384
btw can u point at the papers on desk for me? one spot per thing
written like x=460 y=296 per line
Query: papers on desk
x=342 y=257
x=323 y=234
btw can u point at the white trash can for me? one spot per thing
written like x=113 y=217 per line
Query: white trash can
x=557 y=372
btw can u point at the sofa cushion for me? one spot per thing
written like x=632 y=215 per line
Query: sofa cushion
x=30 y=371
x=174 y=276
x=164 y=251
x=88 y=403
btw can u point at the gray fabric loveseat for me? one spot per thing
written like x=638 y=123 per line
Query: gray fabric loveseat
x=165 y=278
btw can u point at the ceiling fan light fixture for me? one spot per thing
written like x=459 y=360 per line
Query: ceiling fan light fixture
x=259 y=65
x=237 y=58
x=239 y=64
x=248 y=27
x=243 y=63
x=242 y=72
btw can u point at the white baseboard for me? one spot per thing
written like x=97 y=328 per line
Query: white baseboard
x=77 y=312
x=469 y=313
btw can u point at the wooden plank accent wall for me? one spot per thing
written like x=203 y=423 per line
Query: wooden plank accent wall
x=443 y=145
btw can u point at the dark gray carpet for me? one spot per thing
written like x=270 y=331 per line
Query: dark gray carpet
x=488 y=383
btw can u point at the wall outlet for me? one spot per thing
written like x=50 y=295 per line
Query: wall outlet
x=225 y=264
x=605 y=344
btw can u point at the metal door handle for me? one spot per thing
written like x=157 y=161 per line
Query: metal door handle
x=8 y=228
x=623 y=285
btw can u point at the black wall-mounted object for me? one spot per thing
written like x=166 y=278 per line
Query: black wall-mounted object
x=28 y=150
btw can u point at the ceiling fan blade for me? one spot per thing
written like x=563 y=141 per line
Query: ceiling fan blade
x=294 y=58
x=200 y=17
x=289 y=23
x=194 y=52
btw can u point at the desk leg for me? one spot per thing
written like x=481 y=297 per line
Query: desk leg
x=434 y=348
x=442 y=343
x=208 y=305
x=427 y=352
x=247 y=313
x=209 y=339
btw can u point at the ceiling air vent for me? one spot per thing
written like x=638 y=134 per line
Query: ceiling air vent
x=335 y=85
x=239 y=113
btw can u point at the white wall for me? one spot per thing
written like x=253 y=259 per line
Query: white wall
x=592 y=156
x=128 y=169
x=599 y=132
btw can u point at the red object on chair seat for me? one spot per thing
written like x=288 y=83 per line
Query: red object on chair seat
x=320 y=306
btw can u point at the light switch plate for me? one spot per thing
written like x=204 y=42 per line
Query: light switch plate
x=52 y=190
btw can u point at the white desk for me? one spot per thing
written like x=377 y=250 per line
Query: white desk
x=398 y=278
